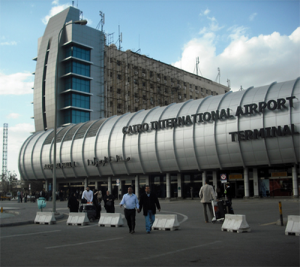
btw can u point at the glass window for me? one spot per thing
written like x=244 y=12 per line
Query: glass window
x=78 y=52
x=77 y=84
x=78 y=68
x=77 y=100
x=76 y=116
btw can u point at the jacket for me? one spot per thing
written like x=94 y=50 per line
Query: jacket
x=207 y=193
x=149 y=203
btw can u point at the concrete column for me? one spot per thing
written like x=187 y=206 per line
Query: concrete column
x=295 y=182
x=85 y=183
x=203 y=177
x=215 y=180
x=46 y=185
x=246 y=182
x=168 y=186
x=109 y=188
x=96 y=185
x=148 y=180
x=255 y=183
x=137 y=185
x=179 y=186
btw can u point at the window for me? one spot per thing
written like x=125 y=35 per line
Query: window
x=77 y=84
x=166 y=102
x=78 y=52
x=118 y=91
x=110 y=74
x=119 y=106
x=136 y=95
x=144 y=84
x=118 y=62
x=136 y=109
x=151 y=73
x=76 y=116
x=78 y=68
x=119 y=77
x=77 y=100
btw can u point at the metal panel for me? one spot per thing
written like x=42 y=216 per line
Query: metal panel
x=139 y=139
x=62 y=142
x=263 y=124
x=71 y=147
x=96 y=139
x=124 y=135
x=215 y=126
x=295 y=154
x=21 y=158
x=108 y=143
x=156 y=136
x=194 y=129
x=174 y=145
x=32 y=154
x=41 y=153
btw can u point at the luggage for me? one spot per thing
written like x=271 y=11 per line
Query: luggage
x=218 y=210
x=90 y=210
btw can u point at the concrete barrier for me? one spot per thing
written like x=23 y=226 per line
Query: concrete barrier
x=293 y=225
x=78 y=218
x=111 y=220
x=166 y=222
x=44 y=218
x=235 y=223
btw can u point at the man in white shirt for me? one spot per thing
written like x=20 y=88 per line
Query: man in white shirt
x=131 y=203
x=88 y=195
x=206 y=194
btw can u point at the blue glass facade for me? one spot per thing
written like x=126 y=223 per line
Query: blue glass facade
x=77 y=100
x=77 y=84
x=78 y=52
x=78 y=68
x=76 y=116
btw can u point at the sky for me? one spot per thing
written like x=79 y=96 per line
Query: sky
x=253 y=43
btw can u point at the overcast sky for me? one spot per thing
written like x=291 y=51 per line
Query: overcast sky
x=254 y=43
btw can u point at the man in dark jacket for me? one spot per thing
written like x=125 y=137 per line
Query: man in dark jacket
x=149 y=202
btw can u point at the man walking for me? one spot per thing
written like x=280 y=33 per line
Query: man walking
x=88 y=195
x=149 y=202
x=206 y=194
x=131 y=203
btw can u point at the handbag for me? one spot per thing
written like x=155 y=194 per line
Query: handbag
x=108 y=203
x=83 y=201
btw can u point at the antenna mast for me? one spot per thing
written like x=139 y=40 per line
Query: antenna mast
x=120 y=38
x=219 y=75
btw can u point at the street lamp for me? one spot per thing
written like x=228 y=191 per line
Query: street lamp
x=80 y=22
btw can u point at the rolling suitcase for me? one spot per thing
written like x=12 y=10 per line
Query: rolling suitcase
x=90 y=210
x=218 y=210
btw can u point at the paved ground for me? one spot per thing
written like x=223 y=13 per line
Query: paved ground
x=194 y=244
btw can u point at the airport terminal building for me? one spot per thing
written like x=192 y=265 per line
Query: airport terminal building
x=249 y=138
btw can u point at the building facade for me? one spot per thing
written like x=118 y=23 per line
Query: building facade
x=249 y=138
x=95 y=80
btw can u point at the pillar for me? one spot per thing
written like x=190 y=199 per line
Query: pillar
x=203 y=177
x=85 y=183
x=168 y=186
x=295 y=182
x=255 y=182
x=109 y=188
x=148 y=180
x=215 y=180
x=137 y=185
x=246 y=183
x=96 y=185
x=46 y=185
x=179 y=185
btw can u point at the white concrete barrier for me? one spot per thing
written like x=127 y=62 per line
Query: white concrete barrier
x=45 y=218
x=111 y=220
x=78 y=218
x=166 y=222
x=235 y=223
x=293 y=225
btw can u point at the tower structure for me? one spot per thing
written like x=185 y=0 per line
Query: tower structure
x=4 y=150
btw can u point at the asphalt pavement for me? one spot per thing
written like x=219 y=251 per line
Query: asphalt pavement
x=196 y=243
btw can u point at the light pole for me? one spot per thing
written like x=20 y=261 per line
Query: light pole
x=80 y=22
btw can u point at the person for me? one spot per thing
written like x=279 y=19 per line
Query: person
x=42 y=193
x=131 y=203
x=25 y=197
x=19 y=196
x=228 y=192
x=99 y=196
x=73 y=203
x=149 y=202
x=61 y=195
x=206 y=194
x=109 y=203
x=88 y=195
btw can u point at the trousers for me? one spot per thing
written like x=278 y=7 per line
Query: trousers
x=149 y=220
x=205 y=205
x=130 y=218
